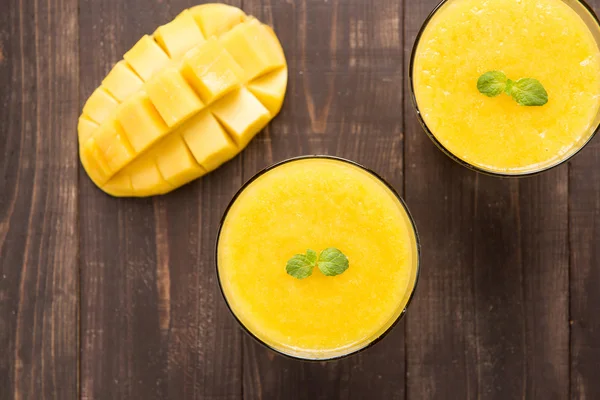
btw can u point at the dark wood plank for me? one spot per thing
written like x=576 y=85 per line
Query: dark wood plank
x=584 y=235
x=440 y=328
x=153 y=323
x=584 y=222
x=521 y=286
x=490 y=316
x=440 y=324
x=38 y=199
x=344 y=98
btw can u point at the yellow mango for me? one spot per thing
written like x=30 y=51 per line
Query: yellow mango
x=115 y=147
x=216 y=19
x=121 y=82
x=94 y=162
x=251 y=45
x=179 y=35
x=141 y=121
x=100 y=105
x=242 y=115
x=269 y=43
x=173 y=97
x=182 y=102
x=208 y=141
x=146 y=179
x=86 y=128
x=175 y=162
x=270 y=89
x=119 y=185
x=211 y=70
x=146 y=57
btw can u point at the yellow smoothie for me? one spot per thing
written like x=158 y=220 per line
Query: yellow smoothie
x=542 y=39
x=317 y=203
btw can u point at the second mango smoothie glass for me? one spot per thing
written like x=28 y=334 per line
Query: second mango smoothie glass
x=312 y=204
x=552 y=41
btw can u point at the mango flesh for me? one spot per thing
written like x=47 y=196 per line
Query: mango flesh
x=182 y=102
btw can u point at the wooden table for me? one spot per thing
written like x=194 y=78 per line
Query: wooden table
x=104 y=298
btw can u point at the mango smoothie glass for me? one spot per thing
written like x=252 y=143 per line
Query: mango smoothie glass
x=552 y=41
x=317 y=203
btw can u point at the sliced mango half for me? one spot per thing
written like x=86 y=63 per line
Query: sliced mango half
x=182 y=102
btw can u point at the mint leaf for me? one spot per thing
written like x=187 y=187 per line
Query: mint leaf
x=311 y=255
x=332 y=262
x=301 y=265
x=525 y=91
x=492 y=83
x=529 y=92
x=509 y=85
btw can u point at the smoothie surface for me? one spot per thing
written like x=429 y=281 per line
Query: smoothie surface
x=542 y=39
x=316 y=204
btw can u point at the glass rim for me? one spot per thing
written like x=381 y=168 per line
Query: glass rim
x=412 y=225
x=450 y=154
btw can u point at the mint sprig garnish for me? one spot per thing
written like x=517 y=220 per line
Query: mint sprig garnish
x=492 y=83
x=331 y=262
x=525 y=91
x=529 y=92
x=301 y=265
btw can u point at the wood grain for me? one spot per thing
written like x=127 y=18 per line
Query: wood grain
x=490 y=316
x=521 y=286
x=584 y=240
x=153 y=323
x=344 y=98
x=584 y=223
x=38 y=200
x=506 y=307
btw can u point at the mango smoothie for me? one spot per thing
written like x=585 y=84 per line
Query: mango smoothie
x=317 y=203
x=550 y=41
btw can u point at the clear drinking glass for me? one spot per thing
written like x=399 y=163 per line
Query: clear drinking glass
x=588 y=15
x=402 y=306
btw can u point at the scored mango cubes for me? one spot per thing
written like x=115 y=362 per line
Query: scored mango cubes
x=141 y=121
x=173 y=97
x=86 y=128
x=210 y=145
x=250 y=46
x=242 y=115
x=121 y=82
x=179 y=35
x=175 y=163
x=146 y=57
x=182 y=102
x=211 y=70
x=115 y=147
x=269 y=90
x=215 y=19
x=99 y=106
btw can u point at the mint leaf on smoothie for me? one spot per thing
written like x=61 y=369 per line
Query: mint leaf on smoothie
x=525 y=91
x=492 y=83
x=509 y=85
x=301 y=265
x=311 y=256
x=332 y=262
x=529 y=92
